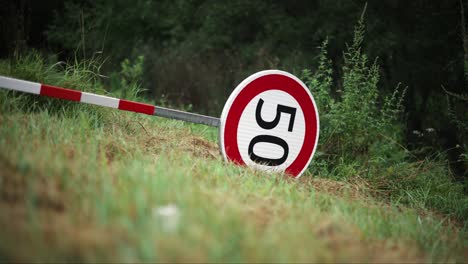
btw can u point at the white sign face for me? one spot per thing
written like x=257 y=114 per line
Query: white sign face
x=248 y=131
x=270 y=122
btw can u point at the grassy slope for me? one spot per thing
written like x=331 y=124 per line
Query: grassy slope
x=83 y=184
x=79 y=182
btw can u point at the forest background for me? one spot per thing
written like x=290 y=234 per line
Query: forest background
x=190 y=54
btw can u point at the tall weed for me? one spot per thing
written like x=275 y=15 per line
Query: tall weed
x=361 y=136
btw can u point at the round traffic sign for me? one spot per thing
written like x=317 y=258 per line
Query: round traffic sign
x=270 y=122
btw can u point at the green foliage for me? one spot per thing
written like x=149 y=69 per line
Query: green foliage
x=28 y=67
x=456 y=104
x=361 y=136
x=88 y=189
x=321 y=80
x=197 y=51
x=132 y=73
x=127 y=83
x=83 y=75
x=354 y=121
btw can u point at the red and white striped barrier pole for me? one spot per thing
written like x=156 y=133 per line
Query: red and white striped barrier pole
x=101 y=100
x=285 y=143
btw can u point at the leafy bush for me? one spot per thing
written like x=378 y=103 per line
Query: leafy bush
x=361 y=135
x=356 y=119
x=127 y=83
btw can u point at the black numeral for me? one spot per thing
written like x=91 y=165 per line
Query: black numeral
x=279 y=109
x=268 y=139
x=271 y=139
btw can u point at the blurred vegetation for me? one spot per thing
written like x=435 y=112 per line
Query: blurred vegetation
x=86 y=183
x=405 y=79
x=361 y=136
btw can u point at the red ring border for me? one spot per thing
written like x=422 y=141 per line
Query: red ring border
x=272 y=81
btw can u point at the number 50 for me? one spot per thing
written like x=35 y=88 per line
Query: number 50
x=271 y=139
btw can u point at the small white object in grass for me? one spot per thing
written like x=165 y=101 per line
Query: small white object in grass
x=167 y=216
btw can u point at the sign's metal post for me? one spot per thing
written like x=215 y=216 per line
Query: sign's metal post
x=186 y=116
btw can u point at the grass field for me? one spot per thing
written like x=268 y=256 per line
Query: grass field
x=81 y=183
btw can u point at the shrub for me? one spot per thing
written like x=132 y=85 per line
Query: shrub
x=358 y=117
x=361 y=134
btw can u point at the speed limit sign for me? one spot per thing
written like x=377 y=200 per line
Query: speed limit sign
x=270 y=122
